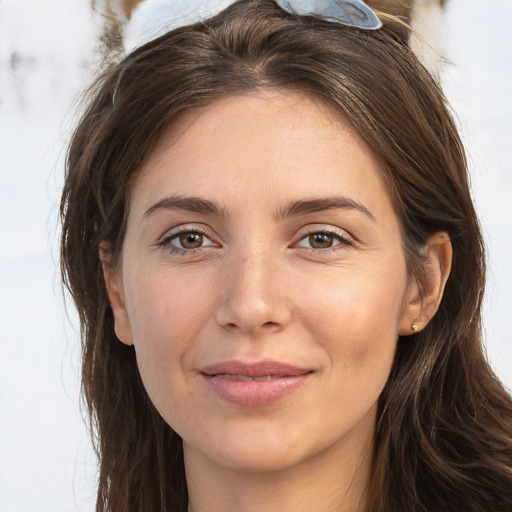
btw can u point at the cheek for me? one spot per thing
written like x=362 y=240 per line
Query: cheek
x=167 y=315
x=355 y=317
x=167 y=305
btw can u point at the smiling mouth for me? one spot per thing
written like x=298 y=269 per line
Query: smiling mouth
x=254 y=385
x=266 y=369
x=247 y=378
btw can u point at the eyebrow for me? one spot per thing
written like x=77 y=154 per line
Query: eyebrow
x=317 y=205
x=301 y=207
x=190 y=204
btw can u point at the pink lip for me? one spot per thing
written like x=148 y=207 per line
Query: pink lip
x=254 y=384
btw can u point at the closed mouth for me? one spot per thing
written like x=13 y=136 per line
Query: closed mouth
x=247 y=378
x=254 y=385
x=260 y=370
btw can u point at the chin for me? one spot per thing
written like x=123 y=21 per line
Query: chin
x=258 y=458
x=263 y=446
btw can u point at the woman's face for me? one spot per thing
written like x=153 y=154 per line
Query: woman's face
x=263 y=282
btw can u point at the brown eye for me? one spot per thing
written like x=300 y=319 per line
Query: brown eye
x=189 y=240
x=321 y=240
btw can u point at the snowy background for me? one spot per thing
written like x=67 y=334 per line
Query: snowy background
x=48 y=50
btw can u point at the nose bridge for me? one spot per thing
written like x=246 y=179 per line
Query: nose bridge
x=253 y=295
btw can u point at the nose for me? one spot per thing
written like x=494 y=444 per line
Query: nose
x=253 y=294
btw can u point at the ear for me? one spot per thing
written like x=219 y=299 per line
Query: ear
x=422 y=303
x=122 y=326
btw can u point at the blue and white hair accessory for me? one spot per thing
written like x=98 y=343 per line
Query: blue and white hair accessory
x=155 y=17
x=352 y=13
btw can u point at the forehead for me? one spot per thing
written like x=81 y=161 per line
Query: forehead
x=274 y=142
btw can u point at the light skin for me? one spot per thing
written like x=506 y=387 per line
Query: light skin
x=260 y=229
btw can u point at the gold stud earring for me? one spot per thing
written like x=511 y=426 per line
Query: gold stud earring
x=415 y=327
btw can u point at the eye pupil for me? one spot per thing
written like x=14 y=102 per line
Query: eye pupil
x=321 y=240
x=191 y=240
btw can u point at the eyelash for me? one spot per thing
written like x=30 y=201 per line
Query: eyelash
x=343 y=241
x=166 y=243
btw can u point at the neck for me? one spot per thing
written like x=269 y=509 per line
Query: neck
x=330 y=482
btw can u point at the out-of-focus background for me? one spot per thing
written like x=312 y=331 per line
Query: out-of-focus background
x=48 y=50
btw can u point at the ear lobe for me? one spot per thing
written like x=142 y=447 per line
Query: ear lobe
x=122 y=326
x=422 y=303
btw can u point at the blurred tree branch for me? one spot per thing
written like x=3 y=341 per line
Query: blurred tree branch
x=401 y=8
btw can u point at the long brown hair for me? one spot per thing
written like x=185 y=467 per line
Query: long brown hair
x=443 y=437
